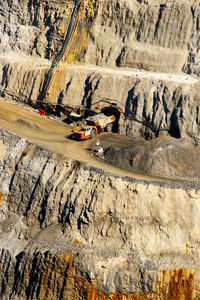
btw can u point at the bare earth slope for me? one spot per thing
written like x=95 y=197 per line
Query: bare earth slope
x=146 y=53
x=88 y=220
x=71 y=226
x=88 y=232
x=164 y=156
x=51 y=134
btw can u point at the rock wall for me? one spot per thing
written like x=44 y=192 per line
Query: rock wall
x=151 y=35
x=154 y=35
x=150 y=103
x=33 y=27
x=69 y=231
x=112 y=40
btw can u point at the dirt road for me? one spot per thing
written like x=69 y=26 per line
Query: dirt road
x=178 y=78
x=54 y=135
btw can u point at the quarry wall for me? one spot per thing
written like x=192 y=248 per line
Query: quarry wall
x=68 y=230
x=110 y=40
x=71 y=231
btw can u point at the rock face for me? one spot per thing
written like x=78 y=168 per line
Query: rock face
x=70 y=231
x=178 y=157
x=111 y=42
x=136 y=28
x=33 y=27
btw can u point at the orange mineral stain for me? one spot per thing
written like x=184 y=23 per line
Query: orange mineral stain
x=75 y=49
x=176 y=284
x=60 y=280
x=1 y=199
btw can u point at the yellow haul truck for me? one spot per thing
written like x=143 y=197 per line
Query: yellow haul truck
x=94 y=125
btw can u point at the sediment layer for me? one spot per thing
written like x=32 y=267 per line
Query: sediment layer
x=72 y=226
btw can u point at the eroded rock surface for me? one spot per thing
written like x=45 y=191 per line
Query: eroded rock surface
x=143 y=49
x=163 y=157
x=73 y=227
x=71 y=231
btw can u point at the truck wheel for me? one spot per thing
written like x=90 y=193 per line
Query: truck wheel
x=93 y=133
x=109 y=127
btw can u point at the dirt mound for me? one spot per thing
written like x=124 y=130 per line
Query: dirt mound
x=27 y=123
x=165 y=156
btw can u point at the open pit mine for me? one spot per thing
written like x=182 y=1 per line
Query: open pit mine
x=91 y=209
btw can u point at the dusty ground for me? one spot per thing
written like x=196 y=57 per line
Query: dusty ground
x=163 y=156
x=54 y=135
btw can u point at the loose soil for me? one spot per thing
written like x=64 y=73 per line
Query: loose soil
x=164 y=156
x=124 y=156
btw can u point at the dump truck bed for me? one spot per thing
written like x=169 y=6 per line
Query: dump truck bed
x=100 y=120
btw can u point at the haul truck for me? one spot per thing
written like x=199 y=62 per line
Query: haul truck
x=94 y=125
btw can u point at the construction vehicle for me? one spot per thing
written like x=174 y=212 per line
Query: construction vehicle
x=93 y=126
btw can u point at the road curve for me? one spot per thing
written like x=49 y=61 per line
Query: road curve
x=27 y=123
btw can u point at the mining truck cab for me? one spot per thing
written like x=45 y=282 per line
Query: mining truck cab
x=84 y=132
x=94 y=125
